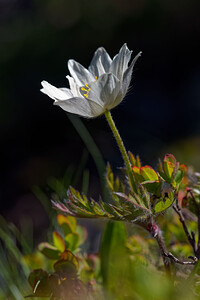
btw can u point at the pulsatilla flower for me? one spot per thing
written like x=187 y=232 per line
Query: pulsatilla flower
x=97 y=89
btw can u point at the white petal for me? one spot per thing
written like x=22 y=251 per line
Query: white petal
x=97 y=68
x=82 y=107
x=73 y=87
x=127 y=75
x=105 y=90
x=79 y=73
x=106 y=60
x=100 y=63
x=120 y=62
x=55 y=93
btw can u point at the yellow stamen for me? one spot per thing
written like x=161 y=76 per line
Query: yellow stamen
x=87 y=94
x=95 y=77
x=87 y=89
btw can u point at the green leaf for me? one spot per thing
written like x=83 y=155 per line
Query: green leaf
x=112 y=251
x=178 y=177
x=169 y=163
x=109 y=177
x=67 y=265
x=49 y=250
x=72 y=240
x=148 y=173
x=153 y=187
x=58 y=241
x=138 y=161
x=65 y=224
x=132 y=159
x=164 y=203
x=137 y=175
x=82 y=232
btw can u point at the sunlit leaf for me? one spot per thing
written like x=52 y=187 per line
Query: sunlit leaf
x=169 y=163
x=72 y=240
x=58 y=241
x=132 y=159
x=148 y=173
x=163 y=204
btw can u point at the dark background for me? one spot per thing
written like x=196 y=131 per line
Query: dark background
x=159 y=115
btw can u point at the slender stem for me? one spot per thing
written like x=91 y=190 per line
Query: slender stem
x=156 y=233
x=122 y=148
x=190 y=237
x=198 y=216
x=178 y=261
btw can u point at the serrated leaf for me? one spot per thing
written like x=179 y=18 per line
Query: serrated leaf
x=78 y=198
x=145 y=196
x=136 y=210
x=49 y=251
x=96 y=208
x=61 y=208
x=58 y=241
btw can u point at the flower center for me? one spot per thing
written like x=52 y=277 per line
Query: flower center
x=86 y=89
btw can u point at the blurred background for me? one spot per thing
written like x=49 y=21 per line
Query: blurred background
x=160 y=114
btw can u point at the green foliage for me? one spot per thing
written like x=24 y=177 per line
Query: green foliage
x=156 y=192
x=112 y=250
x=128 y=265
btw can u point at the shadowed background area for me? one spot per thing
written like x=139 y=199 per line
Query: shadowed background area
x=160 y=113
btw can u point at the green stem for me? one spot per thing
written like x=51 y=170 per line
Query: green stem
x=122 y=148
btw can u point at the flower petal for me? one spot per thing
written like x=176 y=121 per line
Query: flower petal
x=73 y=86
x=105 y=90
x=120 y=62
x=79 y=73
x=106 y=60
x=55 y=93
x=100 y=63
x=81 y=107
x=127 y=75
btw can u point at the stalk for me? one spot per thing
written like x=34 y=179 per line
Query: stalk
x=121 y=148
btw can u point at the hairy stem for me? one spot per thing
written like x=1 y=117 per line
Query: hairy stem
x=156 y=233
x=122 y=148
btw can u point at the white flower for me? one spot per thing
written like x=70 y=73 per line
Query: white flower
x=94 y=90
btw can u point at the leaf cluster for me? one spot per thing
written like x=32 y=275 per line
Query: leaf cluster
x=156 y=191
